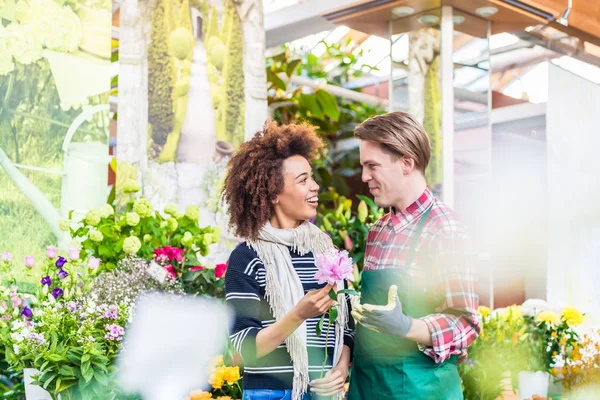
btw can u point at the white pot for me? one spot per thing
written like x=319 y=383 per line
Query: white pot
x=531 y=383
x=33 y=392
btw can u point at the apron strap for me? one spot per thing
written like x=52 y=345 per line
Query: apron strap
x=417 y=234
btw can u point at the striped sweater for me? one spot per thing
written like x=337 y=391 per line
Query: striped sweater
x=245 y=294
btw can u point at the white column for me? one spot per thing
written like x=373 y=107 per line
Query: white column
x=447 y=91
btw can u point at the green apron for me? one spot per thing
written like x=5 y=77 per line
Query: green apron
x=388 y=366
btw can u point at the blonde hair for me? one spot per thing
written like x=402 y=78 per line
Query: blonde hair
x=400 y=135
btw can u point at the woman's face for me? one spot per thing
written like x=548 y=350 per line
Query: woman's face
x=298 y=201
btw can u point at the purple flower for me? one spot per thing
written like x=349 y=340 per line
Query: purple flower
x=115 y=332
x=62 y=274
x=46 y=281
x=27 y=313
x=60 y=262
x=6 y=256
x=72 y=306
x=57 y=292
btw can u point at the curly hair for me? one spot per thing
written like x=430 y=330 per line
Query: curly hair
x=255 y=173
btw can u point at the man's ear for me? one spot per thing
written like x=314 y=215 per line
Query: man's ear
x=408 y=165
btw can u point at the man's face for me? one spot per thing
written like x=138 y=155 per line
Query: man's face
x=384 y=174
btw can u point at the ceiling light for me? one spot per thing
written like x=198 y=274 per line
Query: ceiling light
x=403 y=11
x=486 y=11
x=428 y=19
x=458 y=19
x=564 y=18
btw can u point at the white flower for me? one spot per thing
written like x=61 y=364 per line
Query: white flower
x=16 y=349
x=18 y=324
x=16 y=337
x=533 y=307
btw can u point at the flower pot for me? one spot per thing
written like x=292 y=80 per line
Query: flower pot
x=33 y=392
x=223 y=149
x=531 y=383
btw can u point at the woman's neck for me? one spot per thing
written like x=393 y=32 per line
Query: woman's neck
x=282 y=222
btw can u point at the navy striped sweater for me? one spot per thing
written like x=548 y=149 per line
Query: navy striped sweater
x=245 y=294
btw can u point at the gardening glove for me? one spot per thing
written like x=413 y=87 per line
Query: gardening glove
x=389 y=319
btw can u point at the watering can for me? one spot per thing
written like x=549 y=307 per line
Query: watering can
x=85 y=177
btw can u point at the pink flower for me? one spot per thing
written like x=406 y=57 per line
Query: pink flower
x=220 y=270
x=6 y=256
x=171 y=271
x=94 y=262
x=74 y=253
x=168 y=252
x=197 y=268
x=334 y=266
x=174 y=253
x=29 y=261
x=16 y=300
x=50 y=251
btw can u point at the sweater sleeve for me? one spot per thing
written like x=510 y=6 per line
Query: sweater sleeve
x=242 y=294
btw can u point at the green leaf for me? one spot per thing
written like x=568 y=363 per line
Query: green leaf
x=291 y=67
x=332 y=295
x=47 y=383
x=328 y=104
x=66 y=370
x=349 y=291
x=55 y=357
x=101 y=377
x=333 y=313
x=85 y=358
x=309 y=102
x=65 y=384
x=86 y=371
x=319 y=327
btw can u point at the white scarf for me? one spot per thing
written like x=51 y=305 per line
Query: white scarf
x=284 y=289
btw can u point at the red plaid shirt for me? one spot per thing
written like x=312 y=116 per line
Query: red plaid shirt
x=442 y=260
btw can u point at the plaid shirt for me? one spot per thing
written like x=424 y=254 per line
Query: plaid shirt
x=442 y=261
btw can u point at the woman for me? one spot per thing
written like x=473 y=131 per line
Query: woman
x=271 y=196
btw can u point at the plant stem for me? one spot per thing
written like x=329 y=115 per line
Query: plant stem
x=326 y=347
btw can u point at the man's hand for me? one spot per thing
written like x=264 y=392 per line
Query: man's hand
x=392 y=322
x=333 y=381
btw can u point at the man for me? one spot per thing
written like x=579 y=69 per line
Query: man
x=410 y=349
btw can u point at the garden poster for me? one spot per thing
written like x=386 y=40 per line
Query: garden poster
x=54 y=117
x=200 y=63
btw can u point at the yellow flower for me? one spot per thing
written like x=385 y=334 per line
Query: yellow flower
x=513 y=312
x=549 y=317
x=224 y=398
x=572 y=316
x=217 y=361
x=554 y=335
x=199 y=395
x=232 y=375
x=218 y=379
x=515 y=338
x=483 y=311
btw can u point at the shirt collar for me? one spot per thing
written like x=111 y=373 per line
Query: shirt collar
x=403 y=218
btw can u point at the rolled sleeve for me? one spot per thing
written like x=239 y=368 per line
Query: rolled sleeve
x=455 y=325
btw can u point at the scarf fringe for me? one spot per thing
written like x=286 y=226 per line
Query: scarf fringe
x=272 y=249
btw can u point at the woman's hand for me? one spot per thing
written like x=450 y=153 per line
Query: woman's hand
x=314 y=304
x=334 y=380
